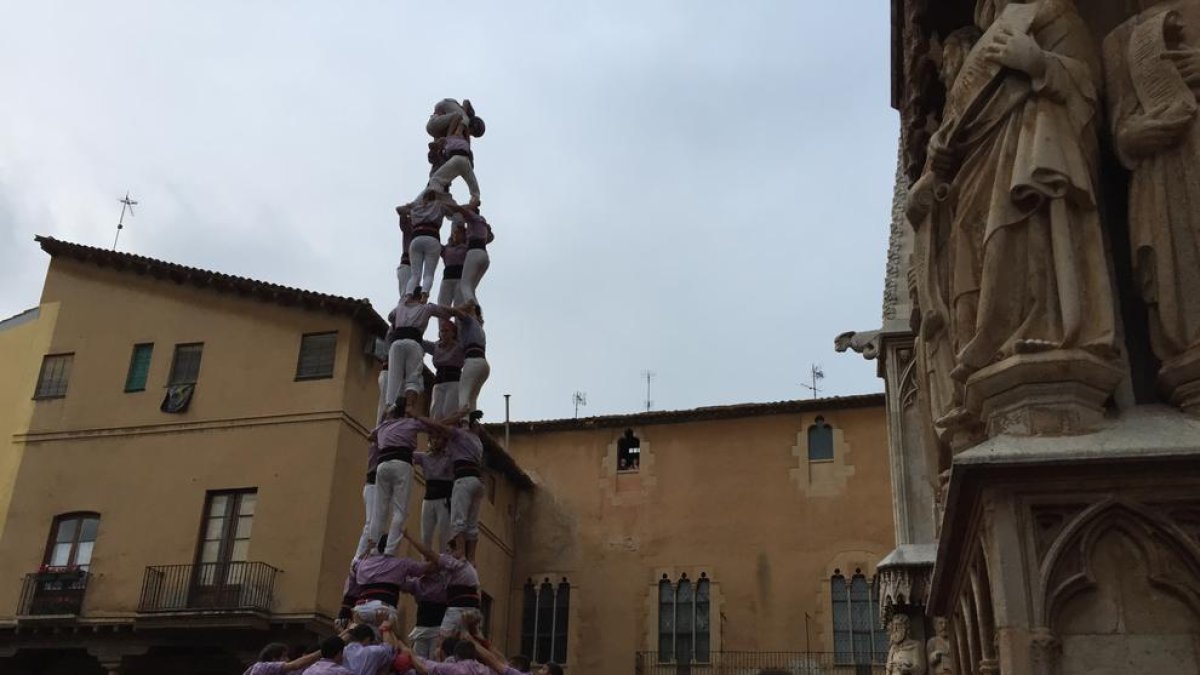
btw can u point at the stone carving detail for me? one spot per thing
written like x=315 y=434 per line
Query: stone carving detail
x=937 y=648
x=1015 y=290
x=866 y=343
x=906 y=656
x=1152 y=62
x=1045 y=651
x=902 y=585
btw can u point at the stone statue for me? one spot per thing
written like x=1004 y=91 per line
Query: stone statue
x=937 y=648
x=906 y=656
x=866 y=343
x=930 y=216
x=1017 y=147
x=1152 y=65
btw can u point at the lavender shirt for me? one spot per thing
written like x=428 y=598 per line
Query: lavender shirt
x=399 y=433
x=267 y=668
x=417 y=315
x=458 y=572
x=456 y=143
x=367 y=659
x=435 y=466
x=326 y=667
x=459 y=668
x=470 y=332
x=446 y=355
x=429 y=587
x=478 y=228
x=454 y=254
x=427 y=213
x=464 y=446
x=378 y=568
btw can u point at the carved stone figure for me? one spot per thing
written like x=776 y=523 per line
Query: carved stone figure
x=1017 y=155
x=931 y=216
x=1152 y=65
x=906 y=656
x=937 y=648
x=865 y=343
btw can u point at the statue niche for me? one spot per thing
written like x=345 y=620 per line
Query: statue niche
x=1152 y=67
x=1028 y=300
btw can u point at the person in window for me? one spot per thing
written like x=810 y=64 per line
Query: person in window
x=331 y=658
x=273 y=660
x=373 y=586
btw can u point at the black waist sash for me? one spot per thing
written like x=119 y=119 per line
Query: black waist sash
x=387 y=593
x=407 y=333
x=438 y=489
x=447 y=374
x=475 y=351
x=462 y=596
x=430 y=613
x=389 y=454
x=476 y=243
x=452 y=272
x=371 y=477
x=427 y=230
x=465 y=468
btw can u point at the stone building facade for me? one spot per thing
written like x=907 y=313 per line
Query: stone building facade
x=181 y=461
x=1039 y=338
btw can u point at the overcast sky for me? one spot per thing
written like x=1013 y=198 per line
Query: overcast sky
x=693 y=187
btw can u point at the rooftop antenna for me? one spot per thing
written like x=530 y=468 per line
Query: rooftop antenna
x=580 y=398
x=817 y=374
x=126 y=203
x=649 y=375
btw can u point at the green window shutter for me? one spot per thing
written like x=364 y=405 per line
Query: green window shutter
x=139 y=367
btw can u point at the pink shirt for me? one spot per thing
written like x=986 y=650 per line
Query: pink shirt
x=327 y=667
x=454 y=254
x=398 y=433
x=417 y=315
x=464 y=446
x=456 y=144
x=458 y=572
x=459 y=668
x=378 y=568
x=435 y=466
x=367 y=659
x=429 y=587
x=267 y=668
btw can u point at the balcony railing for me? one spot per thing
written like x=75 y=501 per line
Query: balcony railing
x=209 y=587
x=53 y=593
x=759 y=663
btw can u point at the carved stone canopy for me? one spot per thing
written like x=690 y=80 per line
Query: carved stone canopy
x=904 y=577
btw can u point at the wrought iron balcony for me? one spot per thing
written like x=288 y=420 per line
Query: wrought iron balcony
x=758 y=663
x=53 y=593
x=208 y=588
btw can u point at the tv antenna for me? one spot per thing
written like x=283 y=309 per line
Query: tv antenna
x=817 y=374
x=580 y=398
x=126 y=203
x=649 y=375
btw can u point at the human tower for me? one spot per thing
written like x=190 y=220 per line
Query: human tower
x=444 y=580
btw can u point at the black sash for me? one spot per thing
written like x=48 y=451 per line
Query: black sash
x=474 y=351
x=387 y=593
x=430 y=613
x=371 y=477
x=389 y=454
x=407 y=333
x=462 y=596
x=465 y=468
x=452 y=272
x=476 y=244
x=447 y=374
x=438 y=489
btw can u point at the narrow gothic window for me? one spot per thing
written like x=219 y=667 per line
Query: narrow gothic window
x=857 y=637
x=820 y=440
x=544 y=621
x=684 y=620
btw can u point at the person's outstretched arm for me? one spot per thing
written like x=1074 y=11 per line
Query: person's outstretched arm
x=426 y=552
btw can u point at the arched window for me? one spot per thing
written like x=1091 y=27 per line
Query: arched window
x=629 y=452
x=72 y=537
x=544 y=621
x=857 y=635
x=684 y=620
x=820 y=440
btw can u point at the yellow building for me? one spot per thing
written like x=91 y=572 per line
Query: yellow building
x=183 y=541
x=135 y=540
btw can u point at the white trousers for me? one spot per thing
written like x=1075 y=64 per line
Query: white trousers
x=445 y=400
x=368 y=493
x=452 y=623
x=373 y=613
x=405 y=368
x=465 y=501
x=448 y=293
x=435 y=524
x=393 y=483
x=423 y=253
x=439 y=125
x=474 y=267
x=403 y=272
x=457 y=166
x=475 y=372
x=383 y=399
x=423 y=639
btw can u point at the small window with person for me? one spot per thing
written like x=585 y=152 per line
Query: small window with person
x=185 y=365
x=139 y=367
x=629 y=452
x=317 y=354
x=54 y=376
x=820 y=440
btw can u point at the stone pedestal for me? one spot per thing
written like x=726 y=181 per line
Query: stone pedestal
x=1075 y=554
x=1179 y=379
x=1054 y=393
